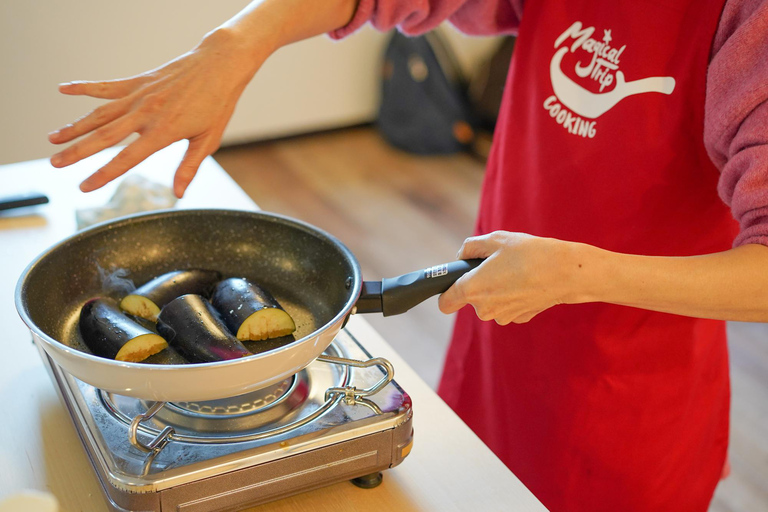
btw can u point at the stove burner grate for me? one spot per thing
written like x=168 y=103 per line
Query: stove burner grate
x=252 y=403
x=245 y=412
x=214 y=422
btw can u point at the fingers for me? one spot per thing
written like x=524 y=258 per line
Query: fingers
x=129 y=157
x=196 y=153
x=106 y=89
x=477 y=247
x=98 y=117
x=514 y=316
x=104 y=137
x=455 y=297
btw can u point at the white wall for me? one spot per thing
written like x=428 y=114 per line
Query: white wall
x=311 y=85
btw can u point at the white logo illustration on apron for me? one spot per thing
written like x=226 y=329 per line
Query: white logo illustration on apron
x=572 y=103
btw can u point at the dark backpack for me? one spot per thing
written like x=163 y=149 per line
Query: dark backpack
x=424 y=108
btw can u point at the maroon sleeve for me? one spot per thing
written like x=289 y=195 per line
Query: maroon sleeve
x=475 y=17
x=736 y=115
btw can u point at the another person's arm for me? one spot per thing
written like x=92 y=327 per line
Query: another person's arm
x=193 y=96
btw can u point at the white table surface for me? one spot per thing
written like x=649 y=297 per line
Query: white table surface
x=449 y=469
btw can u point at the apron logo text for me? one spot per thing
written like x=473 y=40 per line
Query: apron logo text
x=572 y=103
x=573 y=123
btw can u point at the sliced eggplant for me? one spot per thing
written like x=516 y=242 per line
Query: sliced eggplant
x=109 y=333
x=250 y=311
x=148 y=299
x=192 y=326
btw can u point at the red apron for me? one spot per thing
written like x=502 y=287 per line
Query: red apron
x=595 y=406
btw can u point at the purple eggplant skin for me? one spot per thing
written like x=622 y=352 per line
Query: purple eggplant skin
x=249 y=311
x=191 y=325
x=147 y=300
x=109 y=333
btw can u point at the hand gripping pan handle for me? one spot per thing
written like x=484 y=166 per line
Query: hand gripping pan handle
x=399 y=294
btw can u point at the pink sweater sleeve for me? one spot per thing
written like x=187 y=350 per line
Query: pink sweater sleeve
x=474 y=17
x=736 y=115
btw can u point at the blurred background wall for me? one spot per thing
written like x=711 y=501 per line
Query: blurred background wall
x=309 y=86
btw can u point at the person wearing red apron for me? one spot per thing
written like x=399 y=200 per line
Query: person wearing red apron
x=599 y=188
x=599 y=406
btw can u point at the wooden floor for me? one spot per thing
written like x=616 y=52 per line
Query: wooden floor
x=398 y=212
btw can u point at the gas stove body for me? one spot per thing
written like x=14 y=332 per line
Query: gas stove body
x=341 y=418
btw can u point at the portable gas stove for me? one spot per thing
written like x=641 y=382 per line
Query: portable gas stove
x=341 y=418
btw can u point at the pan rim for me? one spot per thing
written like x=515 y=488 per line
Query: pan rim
x=356 y=286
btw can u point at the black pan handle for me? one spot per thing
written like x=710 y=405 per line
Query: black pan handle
x=18 y=201
x=399 y=294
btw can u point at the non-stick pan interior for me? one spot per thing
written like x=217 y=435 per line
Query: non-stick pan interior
x=311 y=274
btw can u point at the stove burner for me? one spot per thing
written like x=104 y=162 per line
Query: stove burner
x=252 y=410
x=250 y=403
x=267 y=411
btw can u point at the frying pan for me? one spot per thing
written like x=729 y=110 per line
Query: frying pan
x=313 y=275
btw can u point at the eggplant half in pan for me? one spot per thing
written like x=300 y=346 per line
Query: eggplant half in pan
x=193 y=327
x=250 y=312
x=148 y=300
x=109 y=333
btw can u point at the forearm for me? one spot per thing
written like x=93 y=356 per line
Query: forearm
x=267 y=25
x=731 y=285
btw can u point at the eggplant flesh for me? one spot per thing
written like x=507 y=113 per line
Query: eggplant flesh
x=140 y=306
x=109 y=333
x=193 y=327
x=148 y=300
x=250 y=311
